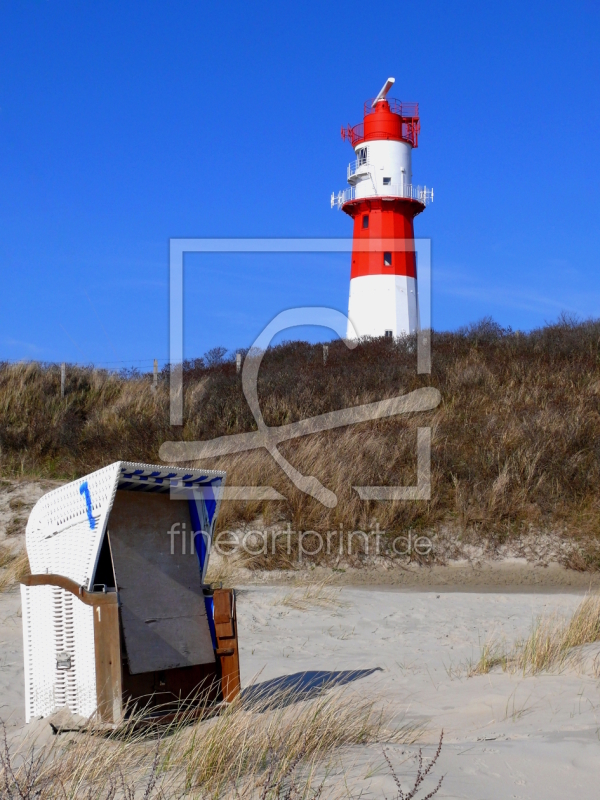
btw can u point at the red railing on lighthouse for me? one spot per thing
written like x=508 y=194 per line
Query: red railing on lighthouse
x=409 y=128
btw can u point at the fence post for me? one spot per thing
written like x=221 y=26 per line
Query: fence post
x=325 y=353
x=238 y=362
x=155 y=378
x=63 y=378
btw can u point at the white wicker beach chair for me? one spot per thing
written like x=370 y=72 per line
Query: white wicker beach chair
x=115 y=609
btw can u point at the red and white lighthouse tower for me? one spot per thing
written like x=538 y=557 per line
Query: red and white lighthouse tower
x=383 y=202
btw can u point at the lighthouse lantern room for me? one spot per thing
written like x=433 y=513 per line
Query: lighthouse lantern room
x=383 y=201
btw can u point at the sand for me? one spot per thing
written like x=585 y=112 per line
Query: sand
x=12 y=687
x=503 y=575
x=17 y=498
x=506 y=736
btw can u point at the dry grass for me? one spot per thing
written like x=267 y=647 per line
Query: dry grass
x=513 y=446
x=493 y=654
x=250 y=750
x=551 y=645
x=225 y=571
x=14 y=566
x=17 y=504
x=320 y=595
x=16 y=526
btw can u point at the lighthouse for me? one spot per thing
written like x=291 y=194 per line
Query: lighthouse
x=383 y=202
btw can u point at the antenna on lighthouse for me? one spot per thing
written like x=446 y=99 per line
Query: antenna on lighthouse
x=387 y=86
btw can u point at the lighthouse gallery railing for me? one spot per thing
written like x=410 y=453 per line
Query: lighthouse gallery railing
x=408 y=191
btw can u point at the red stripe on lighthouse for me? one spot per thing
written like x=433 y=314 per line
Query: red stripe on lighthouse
x=377 y=218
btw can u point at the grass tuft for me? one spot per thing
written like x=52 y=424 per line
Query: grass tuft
x=321 y=595
x=257 y=749
x=14 y=566
x=551 y=645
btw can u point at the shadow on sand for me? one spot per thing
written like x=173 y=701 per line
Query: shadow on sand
x=290 y=689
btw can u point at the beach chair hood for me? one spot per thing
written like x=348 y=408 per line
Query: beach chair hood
x=66 y=527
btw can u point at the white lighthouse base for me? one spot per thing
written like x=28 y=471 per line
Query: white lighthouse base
x=383 y=305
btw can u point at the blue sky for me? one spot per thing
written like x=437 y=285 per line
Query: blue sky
x=125 y=124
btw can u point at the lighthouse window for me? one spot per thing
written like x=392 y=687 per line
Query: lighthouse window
x=389 y=334
x=387 y=181
x=362 y=156
x=365 y=221
x=387 y=259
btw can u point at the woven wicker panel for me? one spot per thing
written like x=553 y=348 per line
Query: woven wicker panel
x=84 y=661
x=56 y=622
x=39 y=650
x=61 y=536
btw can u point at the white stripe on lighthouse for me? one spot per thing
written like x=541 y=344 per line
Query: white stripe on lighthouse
x=382 y=303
